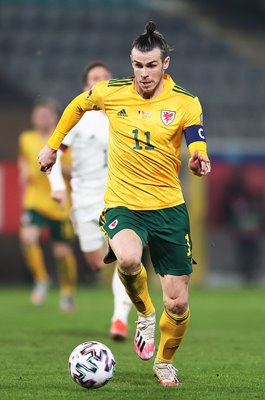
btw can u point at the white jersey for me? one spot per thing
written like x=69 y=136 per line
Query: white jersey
x=89 y=142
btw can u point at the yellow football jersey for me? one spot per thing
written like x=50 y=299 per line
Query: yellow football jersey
x=37 y=193
x=145 y=140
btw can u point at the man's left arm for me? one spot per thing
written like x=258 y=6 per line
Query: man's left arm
x=199 y=162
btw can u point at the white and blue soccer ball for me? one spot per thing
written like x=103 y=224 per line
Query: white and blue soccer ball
x=91 y=365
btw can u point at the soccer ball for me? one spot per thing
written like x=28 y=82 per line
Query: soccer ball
x=91 y=365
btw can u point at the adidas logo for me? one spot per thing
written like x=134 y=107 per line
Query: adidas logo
x=122 y=113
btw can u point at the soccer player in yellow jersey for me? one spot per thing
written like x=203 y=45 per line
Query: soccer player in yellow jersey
x=39 y=211
x=149 y=114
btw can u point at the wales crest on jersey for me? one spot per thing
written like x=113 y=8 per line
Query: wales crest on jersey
x=167 y=116
x=113 y=224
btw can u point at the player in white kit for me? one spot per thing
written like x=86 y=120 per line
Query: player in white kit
x=89 y=142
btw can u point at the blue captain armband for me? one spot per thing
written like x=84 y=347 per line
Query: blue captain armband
x=194 y=133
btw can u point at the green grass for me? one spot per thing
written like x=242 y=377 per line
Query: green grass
x=222 y=357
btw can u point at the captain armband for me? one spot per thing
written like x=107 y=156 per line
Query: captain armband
x=194 y=133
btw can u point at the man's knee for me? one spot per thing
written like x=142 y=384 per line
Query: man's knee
x=61 y=250
x=129 y=262
x=28 y=237
x=176 y=305
x=95 y=260
x=128 y=248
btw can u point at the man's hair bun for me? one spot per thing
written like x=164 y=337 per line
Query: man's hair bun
x=150 y=27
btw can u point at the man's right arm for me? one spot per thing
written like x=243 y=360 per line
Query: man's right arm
x=74 y=111
x=70 y=117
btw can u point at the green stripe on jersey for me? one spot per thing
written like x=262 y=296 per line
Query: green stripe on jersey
x=177 y=88
x=129 y=78
x=120 y=82
x=181 y=91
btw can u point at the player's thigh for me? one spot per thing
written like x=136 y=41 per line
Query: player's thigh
x=127 y=235
x=127 y=246
x=29 y=235
x=30 y=227
x=175 y=292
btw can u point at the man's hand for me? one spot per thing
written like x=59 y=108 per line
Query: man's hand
x=47 y=158
x=60 y=196
x=199 y=165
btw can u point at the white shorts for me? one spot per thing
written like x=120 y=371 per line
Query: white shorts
x=90 y=236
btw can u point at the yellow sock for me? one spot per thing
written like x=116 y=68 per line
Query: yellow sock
x=67 y=271
x=136 y=287
x=35 y=261
x=172 y=329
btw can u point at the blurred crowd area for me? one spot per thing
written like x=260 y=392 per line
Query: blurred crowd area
x=45 y=47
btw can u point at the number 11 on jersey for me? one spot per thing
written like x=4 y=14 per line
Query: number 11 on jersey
x=137 y=142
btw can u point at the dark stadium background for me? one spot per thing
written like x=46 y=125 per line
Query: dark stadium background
x=218 y=55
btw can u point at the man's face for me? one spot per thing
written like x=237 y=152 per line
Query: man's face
x=148 y=71
x=44 y=118
x=97 y=74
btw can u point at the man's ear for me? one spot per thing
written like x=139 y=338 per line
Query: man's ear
x=166 y=63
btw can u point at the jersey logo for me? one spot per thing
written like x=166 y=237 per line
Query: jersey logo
x=167 y=116
x=113 y=224
x=122 y=113
x=145 y=114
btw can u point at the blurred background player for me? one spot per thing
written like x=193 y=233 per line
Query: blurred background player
x=40 y=211
x=89 y=141
x=242 y=212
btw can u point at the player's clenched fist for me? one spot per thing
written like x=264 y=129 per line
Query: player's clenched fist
x=47 y=158
x=199 y=165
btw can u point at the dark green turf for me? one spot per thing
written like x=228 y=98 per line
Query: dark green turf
x=222 y=357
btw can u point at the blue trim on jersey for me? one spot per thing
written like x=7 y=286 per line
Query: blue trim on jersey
x=194 y=133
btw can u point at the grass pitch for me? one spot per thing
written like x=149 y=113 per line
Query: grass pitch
x=222 y=356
